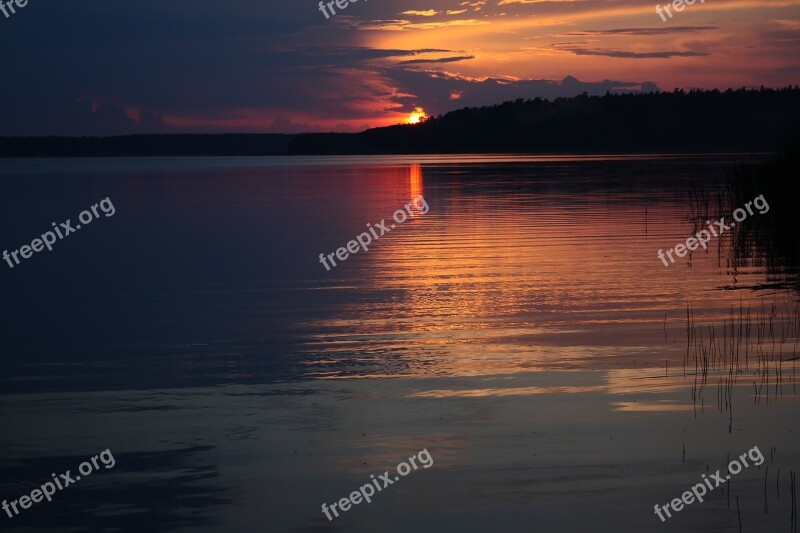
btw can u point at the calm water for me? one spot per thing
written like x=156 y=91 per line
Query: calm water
x=523 y=330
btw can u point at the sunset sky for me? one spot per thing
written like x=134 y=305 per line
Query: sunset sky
x=106 y=67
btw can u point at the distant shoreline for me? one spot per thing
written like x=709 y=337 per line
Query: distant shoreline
x=694 y=122
x=433 y=157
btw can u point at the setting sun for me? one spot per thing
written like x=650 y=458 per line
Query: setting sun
x=416 y=116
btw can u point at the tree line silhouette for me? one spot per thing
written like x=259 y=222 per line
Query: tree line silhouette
x=686 y=121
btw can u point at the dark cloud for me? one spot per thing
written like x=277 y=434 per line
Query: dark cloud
x=77 y=117
x=442 y=60
x=625 y=54
x=347 y=56
x=437 y=89
x=644 y=31
x=285 y=125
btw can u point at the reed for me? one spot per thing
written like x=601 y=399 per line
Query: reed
x=752 y=344
x=738 y=512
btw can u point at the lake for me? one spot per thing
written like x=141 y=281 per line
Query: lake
x=523 y=331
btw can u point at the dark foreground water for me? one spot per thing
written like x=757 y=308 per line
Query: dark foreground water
x=523 y=330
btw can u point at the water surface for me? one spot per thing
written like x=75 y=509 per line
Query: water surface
x=523 y=330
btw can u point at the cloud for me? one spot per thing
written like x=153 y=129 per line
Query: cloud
x=286 y=125
x=406 y=25
x=340 y=56
x=72 y=116
x=440 y=92
x=643 y=31
x=428 y=13
x=625 y=54
x=441 y=60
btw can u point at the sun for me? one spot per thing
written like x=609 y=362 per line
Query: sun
x=416 y=116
